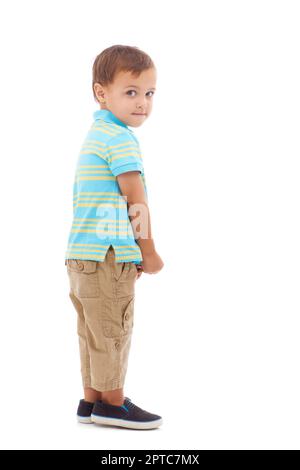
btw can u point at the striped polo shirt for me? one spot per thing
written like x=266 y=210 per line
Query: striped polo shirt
x=100 y=213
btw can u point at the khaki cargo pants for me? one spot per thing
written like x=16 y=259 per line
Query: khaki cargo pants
x=103 y=296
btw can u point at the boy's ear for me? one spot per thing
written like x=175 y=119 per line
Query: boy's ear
x=99 y=92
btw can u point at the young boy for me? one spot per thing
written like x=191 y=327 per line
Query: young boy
x=110 y=242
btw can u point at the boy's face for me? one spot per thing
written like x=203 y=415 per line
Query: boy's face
x=129 y=99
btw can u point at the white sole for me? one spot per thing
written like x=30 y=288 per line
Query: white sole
x=126 y=424
x=84 y=419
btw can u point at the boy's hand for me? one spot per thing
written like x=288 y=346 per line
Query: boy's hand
x=152 y=263
x=132 y=188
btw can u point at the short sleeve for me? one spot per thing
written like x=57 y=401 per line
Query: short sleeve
x=123 y=154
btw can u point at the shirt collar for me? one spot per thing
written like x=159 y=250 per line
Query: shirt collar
x=107 y=116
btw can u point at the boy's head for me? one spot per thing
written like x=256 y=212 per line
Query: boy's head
x=124 y=80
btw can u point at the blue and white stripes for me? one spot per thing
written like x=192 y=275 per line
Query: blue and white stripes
x=100 y=216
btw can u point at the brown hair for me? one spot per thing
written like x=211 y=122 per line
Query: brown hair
x=119 y=58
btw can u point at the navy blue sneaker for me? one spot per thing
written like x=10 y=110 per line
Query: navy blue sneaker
x=84 y=411
x=127 y=415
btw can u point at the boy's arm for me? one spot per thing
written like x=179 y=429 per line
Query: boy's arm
x=131 y=186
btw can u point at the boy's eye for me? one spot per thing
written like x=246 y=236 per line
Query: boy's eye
x=129 y=91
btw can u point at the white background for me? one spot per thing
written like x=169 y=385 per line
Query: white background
x=215 y=350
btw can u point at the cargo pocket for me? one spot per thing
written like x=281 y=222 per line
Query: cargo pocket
x=118 y=317
x=83 y=277
x=128 y=316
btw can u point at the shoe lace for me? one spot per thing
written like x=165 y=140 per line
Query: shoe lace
x=131 y=405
